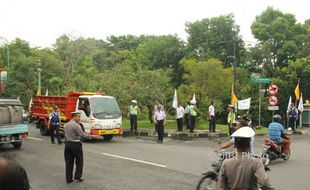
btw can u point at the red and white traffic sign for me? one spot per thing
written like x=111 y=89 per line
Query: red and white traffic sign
x=273 y=89
x=273 y=100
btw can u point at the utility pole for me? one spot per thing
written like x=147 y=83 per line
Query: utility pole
x=39 y=63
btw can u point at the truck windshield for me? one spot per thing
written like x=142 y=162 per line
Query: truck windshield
x=104 y=108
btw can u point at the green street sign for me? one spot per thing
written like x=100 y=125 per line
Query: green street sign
x=260 y=80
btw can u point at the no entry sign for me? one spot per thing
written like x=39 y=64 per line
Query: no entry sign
x=273 y=89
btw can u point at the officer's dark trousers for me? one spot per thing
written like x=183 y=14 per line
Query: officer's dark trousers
x=291 y=123
x=161 y=130
x=193 y=123
x=187 y=120
x=180 y=124
x=73 y=152
x=54 y=131
x=212 y=124
x=133 y=122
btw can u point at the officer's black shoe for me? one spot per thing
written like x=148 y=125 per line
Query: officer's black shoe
x=79 y=179
x=70 y=181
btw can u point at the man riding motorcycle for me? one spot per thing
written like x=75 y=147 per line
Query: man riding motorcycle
x=277 y=134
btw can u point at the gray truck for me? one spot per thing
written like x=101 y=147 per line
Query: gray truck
x=13 y=129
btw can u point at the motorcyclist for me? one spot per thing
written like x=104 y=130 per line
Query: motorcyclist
x=277 y=134
x=243 y=171
x=231 y=142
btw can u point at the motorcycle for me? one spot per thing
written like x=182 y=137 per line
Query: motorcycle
x=210 y=178
x=272 y=151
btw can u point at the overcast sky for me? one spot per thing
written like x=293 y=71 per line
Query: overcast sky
x=41 y=22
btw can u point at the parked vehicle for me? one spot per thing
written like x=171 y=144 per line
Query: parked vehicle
x=13 y=129
x=100 y=114
x=272 y=151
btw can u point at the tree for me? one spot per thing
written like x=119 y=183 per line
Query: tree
x=216 y=37
x=279 y=35
x=161 y=52
x=143 y=85
x=205 y=79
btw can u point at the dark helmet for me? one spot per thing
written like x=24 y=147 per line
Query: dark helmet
x=277 y=118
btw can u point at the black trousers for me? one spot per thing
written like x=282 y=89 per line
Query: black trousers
x=161 y=130
x=133 y=122
x=192 y=124
x=54 y=131
x=73 y=153
x=291 y=123
x=187 y=120
x=180 y=124
x=212 y=124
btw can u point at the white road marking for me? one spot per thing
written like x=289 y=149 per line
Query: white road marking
x=135 y=160
x=33 y=138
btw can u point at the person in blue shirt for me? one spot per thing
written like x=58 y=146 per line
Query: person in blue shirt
x=277 y=134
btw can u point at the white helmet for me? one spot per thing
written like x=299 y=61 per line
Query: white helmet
x=192 y=102
x=134 y=101
x=244 y=132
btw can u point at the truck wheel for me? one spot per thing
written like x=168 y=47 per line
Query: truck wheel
x=43 y=128
x=17 y=145
x=107 y=137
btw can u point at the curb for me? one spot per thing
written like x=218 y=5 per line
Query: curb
x=175 y=135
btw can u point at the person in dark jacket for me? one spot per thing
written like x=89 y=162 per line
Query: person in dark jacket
x=53 y=125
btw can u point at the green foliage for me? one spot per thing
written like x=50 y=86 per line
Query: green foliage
x=280 y=37
x=216 y=37
x=148 y=68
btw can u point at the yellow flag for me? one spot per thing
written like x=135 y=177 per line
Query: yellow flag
x=234 y=98
x=297 y=91
x=38 y=92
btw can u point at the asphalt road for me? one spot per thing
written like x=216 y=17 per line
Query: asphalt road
x=142 y=164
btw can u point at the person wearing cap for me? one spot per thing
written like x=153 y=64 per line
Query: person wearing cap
x=243 y=171
x=192 y=114
x=73 y=147
x=133 y=115
x=231 y=119
x=160 y=121
x=156 y=106
x=53 y=125
x=211 y=114
x=277 y=134
x=231 y=142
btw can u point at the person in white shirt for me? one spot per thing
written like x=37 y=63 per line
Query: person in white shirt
x=179 y=116
x=160 y=121
x=211 y=113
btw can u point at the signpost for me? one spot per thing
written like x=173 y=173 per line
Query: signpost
x=273 y=89
x=273 y=99
x=260 y=81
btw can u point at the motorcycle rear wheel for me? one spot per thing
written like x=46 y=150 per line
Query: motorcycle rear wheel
x=207 y=182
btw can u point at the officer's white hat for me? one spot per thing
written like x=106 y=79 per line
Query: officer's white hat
x=76 y=113
x=134 y=101
x=244 y=132
x=192 y=102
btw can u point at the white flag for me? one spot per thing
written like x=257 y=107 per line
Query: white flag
x=244 y=104
x=175 y=100
x=289 y=104
x=194 y=99
x=30 y=104
x=301 y=104
x=46 y=93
